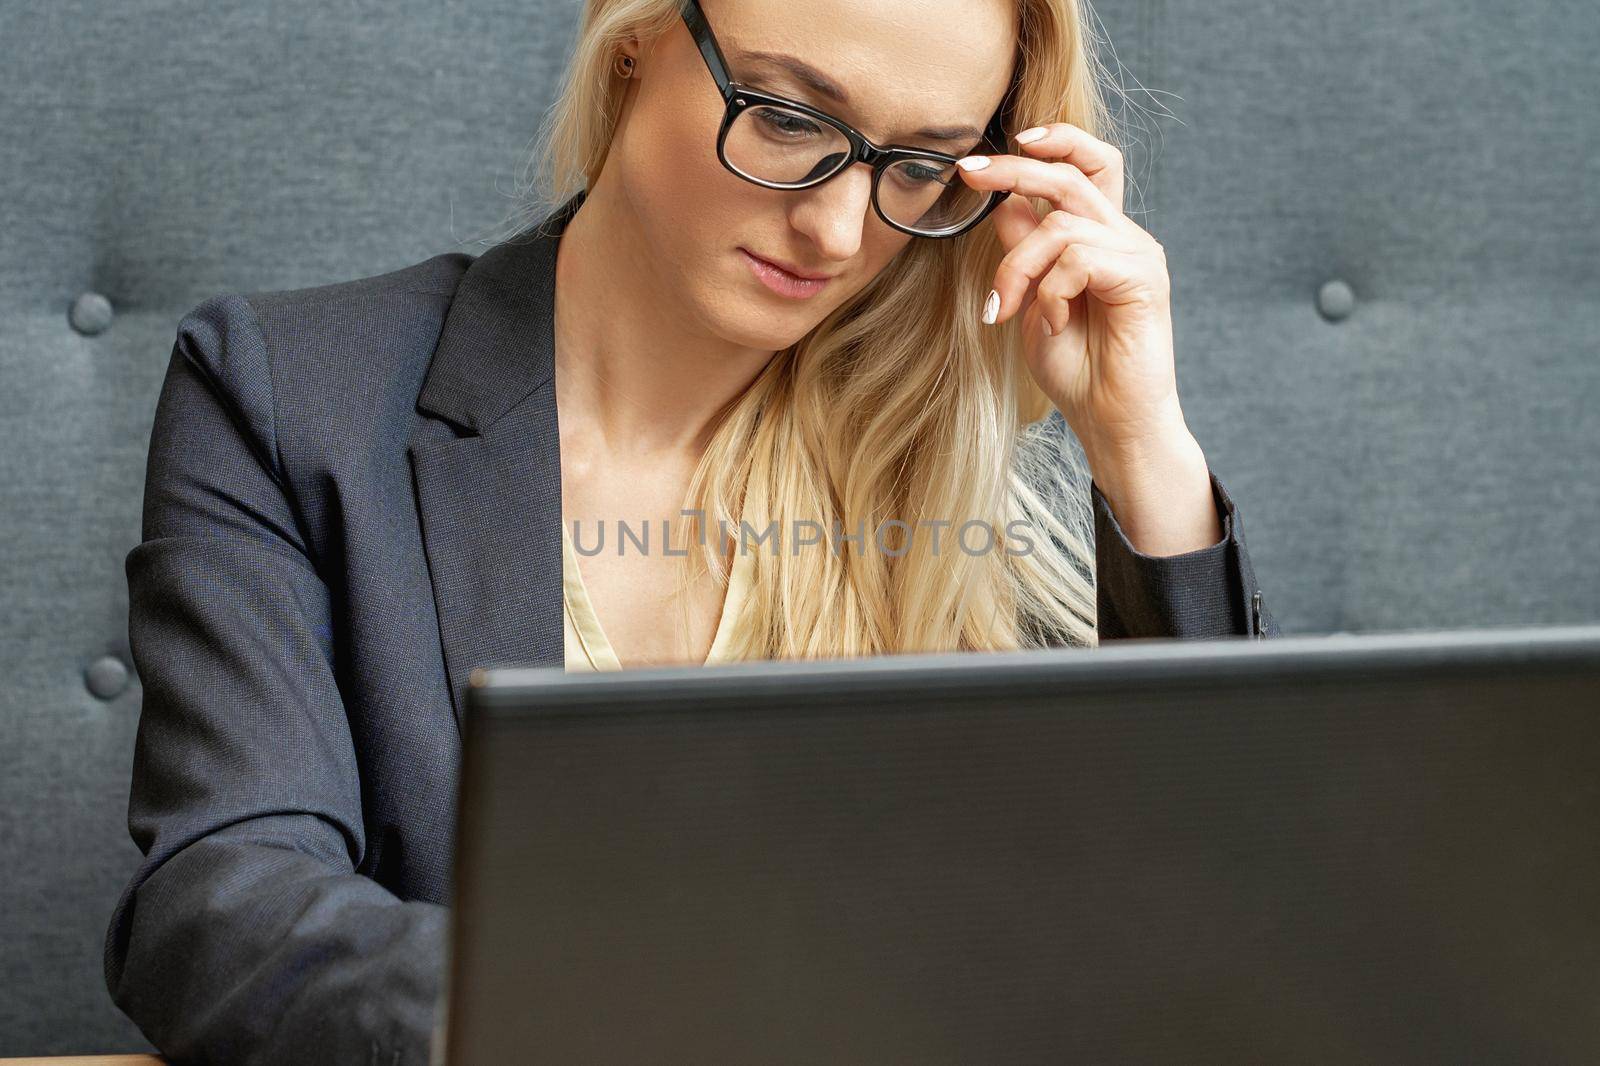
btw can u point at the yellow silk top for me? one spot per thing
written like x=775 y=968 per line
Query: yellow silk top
x=586 y=645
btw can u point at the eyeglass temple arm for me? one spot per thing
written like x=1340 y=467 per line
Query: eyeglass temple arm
x=997 y=129
x=700 y=29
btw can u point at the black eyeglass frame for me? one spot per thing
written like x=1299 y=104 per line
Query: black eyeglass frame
x=738 y=98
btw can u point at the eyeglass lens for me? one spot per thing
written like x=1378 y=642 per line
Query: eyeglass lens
x=781 y=146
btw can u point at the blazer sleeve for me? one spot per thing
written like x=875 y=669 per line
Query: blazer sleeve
x=1208 y=592
x=246 y=934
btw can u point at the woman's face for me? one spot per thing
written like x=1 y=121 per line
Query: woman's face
x=902 y=65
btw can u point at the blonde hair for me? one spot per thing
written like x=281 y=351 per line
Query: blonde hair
x=900 y=405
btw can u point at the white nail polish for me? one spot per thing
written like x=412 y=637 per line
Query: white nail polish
x=1028 y=136
x=973 y=162
x=991 y=308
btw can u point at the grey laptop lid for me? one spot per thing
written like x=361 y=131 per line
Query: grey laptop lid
x=1373 y=848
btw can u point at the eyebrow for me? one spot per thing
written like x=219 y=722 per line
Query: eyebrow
x=814 y=79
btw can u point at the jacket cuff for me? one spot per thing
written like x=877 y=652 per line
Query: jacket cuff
x=1199 y=593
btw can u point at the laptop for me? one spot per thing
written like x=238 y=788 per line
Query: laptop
x=1360 y=848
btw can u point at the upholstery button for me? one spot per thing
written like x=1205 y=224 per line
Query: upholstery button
x=1335 y=300
x=91 y=314
x=106 y=677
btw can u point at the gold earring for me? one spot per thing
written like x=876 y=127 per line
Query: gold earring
x=623 y=66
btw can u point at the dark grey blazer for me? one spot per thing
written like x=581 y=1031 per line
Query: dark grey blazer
x=353 y=497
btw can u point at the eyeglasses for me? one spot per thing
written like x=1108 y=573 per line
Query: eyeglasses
x=784 y=144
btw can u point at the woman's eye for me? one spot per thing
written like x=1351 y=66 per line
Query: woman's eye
x=786 y=123
x=917 y=174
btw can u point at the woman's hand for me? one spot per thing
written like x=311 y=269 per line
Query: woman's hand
x=1094 y=294
x=1093 y=277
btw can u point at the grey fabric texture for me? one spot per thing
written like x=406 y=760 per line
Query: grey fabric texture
x=158 y=154
x=1426 y=460
x=1384 y=268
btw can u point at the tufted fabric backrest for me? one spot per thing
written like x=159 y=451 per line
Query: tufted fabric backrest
x=1385 y=258
x=1378 y=219
x=156 y=154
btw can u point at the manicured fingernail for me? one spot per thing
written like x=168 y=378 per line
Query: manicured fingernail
x=973 y=162
x=991 y=308
x=1045 y=322
x=1033 y=133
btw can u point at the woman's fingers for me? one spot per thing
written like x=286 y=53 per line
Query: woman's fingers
x=1063 y=185
x=1042 y=248
x=1115 y=277
x=1100 y=162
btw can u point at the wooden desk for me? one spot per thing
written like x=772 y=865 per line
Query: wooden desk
x=88 y=1060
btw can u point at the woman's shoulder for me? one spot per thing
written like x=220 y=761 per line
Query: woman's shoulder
x=325 y=364
x=319 y=328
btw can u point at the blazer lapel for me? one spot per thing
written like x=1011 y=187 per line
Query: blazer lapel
x=490 y=500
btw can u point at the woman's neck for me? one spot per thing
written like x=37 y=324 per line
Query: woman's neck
x=634 y=368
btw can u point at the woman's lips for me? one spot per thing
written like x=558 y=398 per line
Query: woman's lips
x=781 y=281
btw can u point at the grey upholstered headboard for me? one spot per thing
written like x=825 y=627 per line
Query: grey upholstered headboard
x=1380 y=223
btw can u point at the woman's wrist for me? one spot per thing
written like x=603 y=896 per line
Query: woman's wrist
x=1159 y=489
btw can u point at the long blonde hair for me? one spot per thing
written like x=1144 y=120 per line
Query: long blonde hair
x=899 y=406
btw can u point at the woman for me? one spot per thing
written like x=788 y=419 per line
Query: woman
x=357 y=493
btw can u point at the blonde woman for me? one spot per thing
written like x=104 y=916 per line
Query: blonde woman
x=763 y=296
